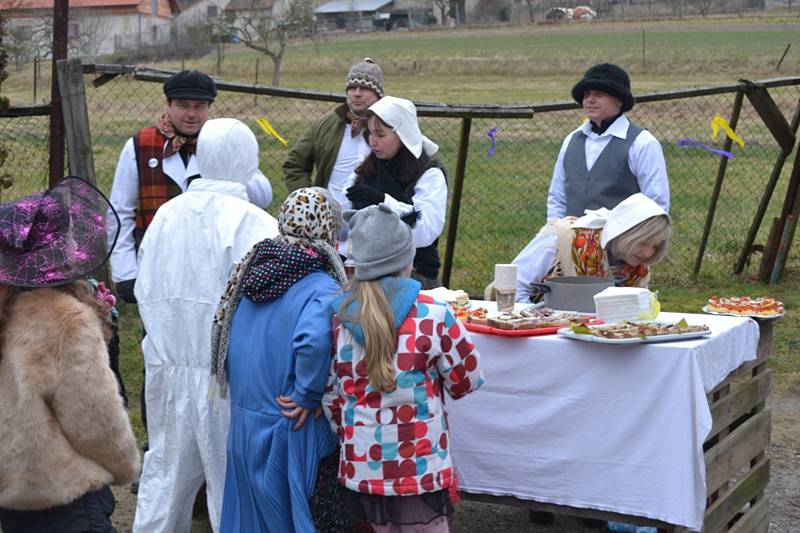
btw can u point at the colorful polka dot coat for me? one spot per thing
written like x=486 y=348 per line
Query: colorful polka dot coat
x=397 y=443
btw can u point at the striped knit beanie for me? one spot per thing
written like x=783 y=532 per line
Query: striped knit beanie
x=366 y=74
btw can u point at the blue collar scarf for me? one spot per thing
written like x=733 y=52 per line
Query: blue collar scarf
x=400 y=292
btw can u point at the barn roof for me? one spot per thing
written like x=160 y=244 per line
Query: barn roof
x=348 y=6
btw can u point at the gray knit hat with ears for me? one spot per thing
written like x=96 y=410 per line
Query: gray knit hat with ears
x=366 y=74
x=382 y=243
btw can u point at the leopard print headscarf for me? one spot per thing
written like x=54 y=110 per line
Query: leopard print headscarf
x=310 y=218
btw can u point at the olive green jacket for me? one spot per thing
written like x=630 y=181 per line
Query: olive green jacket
x=318 y=148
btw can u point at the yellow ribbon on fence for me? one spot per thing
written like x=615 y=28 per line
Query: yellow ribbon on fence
x=269 y=130
x=718 y=122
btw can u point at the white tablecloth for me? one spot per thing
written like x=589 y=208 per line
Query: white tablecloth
x=616 y=428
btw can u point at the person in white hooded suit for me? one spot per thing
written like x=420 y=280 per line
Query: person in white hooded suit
x=185 y=260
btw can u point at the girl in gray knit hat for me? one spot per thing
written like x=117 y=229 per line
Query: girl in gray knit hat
x=396 y=351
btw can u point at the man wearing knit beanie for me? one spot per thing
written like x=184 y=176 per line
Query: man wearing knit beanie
x=335 y=144
x=608 y=158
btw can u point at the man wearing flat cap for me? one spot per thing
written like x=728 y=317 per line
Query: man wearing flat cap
x=609 y=157
x=335 y=145
x=157 y=164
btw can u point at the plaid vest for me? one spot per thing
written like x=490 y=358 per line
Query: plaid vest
x=155 y=187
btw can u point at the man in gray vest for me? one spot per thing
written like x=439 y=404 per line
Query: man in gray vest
x=608 y=158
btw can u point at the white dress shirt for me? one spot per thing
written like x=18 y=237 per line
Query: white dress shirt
x=645 y=159
x=352 y=152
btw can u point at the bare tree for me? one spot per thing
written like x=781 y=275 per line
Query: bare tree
x=5 y=179
x=36 y=34
x=444 y=8
x=702 y=6
x=269 y=33
x=531 y=4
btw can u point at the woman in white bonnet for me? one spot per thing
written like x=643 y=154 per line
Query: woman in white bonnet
x=400 y=172
x=623 y=242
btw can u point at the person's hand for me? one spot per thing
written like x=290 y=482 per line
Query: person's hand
x=125 y=290
x=362 y=195
x=292 y=410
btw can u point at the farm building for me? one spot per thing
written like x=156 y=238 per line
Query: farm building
x=95 y=26
x=368 y=15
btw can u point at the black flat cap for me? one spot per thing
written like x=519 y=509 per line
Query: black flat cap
x=190 y=85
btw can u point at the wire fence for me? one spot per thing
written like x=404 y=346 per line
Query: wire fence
x=504 y=194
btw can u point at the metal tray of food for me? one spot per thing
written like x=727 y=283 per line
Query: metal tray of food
x=637 y=332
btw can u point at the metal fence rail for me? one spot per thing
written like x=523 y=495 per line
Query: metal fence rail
x=498 y=200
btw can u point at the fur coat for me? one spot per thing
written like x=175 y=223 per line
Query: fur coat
x=63 y=428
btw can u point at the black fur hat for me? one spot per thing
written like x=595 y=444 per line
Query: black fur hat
x=610 y=79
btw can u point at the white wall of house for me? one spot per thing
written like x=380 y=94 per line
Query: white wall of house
x=98 y=34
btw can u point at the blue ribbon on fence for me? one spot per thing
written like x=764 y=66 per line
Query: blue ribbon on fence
x=491 y=134
x=692 y=143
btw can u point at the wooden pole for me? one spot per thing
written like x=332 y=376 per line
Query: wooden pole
x=788 y=222
x=60 y=25
x=765 y=199
x=455 y=207
x=768 y=258
x=723 y=164
x=255 y=96
x=643 y=49
x=783 y=249
x=35 y=75
x=778 y=66
x=76 y=119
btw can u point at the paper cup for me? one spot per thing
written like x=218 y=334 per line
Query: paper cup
x=505 y=277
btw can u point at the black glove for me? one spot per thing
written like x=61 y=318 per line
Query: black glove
x=125 y=290
x=362 y=195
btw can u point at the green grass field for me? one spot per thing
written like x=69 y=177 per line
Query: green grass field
x=517 y=63
x=503 y=203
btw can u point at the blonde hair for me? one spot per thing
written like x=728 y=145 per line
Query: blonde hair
x=657 y=229
x=380 y=338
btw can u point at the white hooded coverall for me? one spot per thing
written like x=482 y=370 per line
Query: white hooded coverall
x=185 y=260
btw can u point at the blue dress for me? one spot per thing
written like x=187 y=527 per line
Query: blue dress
x=277 y=348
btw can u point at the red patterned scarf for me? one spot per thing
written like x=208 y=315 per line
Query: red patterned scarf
x=176 y=140
x=356 y=124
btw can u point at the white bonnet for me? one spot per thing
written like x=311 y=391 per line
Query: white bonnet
x=401 y=115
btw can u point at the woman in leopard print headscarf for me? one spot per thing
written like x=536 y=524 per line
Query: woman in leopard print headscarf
x=271 y=345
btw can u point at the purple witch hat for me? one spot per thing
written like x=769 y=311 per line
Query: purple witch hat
x=56 y=236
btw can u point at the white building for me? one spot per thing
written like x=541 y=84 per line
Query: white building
x=96 y=27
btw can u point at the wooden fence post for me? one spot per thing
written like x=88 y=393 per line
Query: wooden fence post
x=76 y=119
x=747 y=249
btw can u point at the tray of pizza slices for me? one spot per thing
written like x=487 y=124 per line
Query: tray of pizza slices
x=525 y=323
x=762 y=307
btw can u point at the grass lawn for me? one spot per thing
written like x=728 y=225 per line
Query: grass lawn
x=503 y=203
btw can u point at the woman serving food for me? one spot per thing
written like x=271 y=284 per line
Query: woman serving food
x=623 y=242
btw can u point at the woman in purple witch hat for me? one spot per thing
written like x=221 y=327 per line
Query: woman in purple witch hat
x=64 y=433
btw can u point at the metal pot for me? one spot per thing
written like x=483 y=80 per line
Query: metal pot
x=573 y=293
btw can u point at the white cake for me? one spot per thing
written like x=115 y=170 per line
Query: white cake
x=616 y=304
